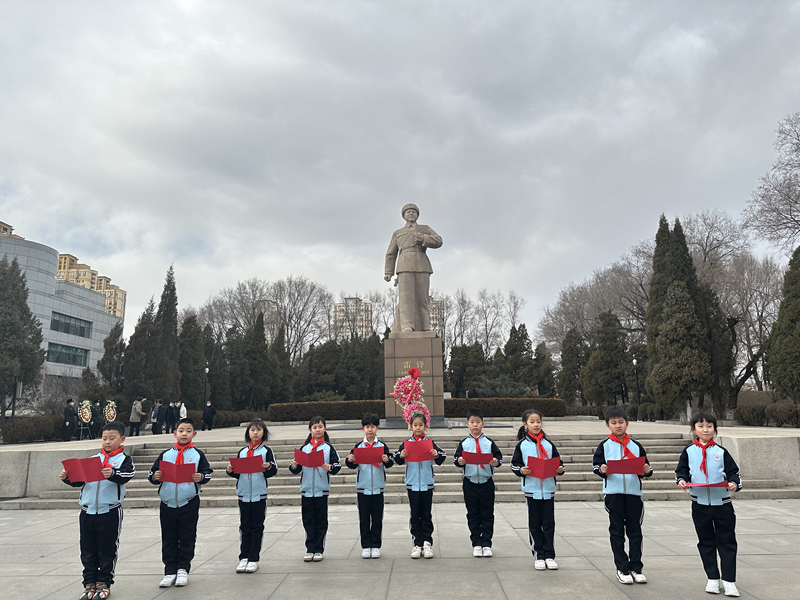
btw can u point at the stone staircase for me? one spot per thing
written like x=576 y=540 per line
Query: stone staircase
x=578 y=484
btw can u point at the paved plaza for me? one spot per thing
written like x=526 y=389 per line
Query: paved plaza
x=40 y=557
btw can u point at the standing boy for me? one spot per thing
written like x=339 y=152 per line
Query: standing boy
x=478 y=484
x=101 y=513
x=370 y=482
x=180 y=504
x=623 y=496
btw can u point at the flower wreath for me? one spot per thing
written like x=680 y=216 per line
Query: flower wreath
x=110 y=411
x=85 y=411
x=408 y=394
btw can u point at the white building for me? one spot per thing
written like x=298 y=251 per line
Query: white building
x=352 y=319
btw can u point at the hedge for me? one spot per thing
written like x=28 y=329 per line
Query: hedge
x=753 y=415
x=32 y=429
x=304 y=411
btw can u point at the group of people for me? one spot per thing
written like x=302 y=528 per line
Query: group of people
x=165 y=419
x=71 y=417
x=705 y=469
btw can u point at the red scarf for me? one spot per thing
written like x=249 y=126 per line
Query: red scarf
x=107 y=456
x=180 y=449
x=538 y=439
x=418 y=439
x=316 y=443
x=710 y=443
x=478 y=449
x=368 y=445
x=252 y=446
x=624 y=441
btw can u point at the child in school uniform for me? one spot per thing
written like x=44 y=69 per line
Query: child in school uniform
x=622 y=495
x=478 y=485
x=180 y=504
x=101 y=513
x=539 y=493
x=252 y=490
x=419 y=484
x=315 y=485
x=705 y=461
x=370 y=483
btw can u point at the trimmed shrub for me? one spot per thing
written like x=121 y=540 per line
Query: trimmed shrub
x=504 y=407
x=650 y=411
x=752 y=415
x=303 y=411
x=783 y=414
x=196 y=416
x=20 y=431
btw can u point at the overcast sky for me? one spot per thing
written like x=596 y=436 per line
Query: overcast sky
x=541 y=140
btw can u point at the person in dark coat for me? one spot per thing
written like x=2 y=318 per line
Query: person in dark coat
x=70 y=420
x=95 y=423
x=208 y=416
x=169 y=417
x=160 y=414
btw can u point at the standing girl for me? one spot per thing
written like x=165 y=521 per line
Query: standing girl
x=538 y=492
x=315 y=484
x=252 y=489
x=419 y=483
x=712 y=511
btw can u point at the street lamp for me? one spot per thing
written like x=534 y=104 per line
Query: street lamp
x=205 y=387
x=638 y=398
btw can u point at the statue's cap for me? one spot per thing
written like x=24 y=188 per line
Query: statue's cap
x=406 y=207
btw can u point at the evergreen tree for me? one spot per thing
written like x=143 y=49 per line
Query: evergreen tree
x=21 y=355
x=166 y=370
x=219 y=389
x=192 y=363
x=317 y=371
x=574 y=355
x=111 y=366
x=92 y=390
x=137 y=369
x=720 y=343
x=544 y=371
x=783 y=351
x=240 y=380
x=467 y=365
x=258 y=361
x=280 y=369
x=518 y=356
x=603 y=378
x=501 y=386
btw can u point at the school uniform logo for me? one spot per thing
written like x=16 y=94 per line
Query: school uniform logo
x=717 y=457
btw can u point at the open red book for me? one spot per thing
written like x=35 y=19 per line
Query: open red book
x=626 y=466
x=543 y=468
x=84 y=469
x=172 y=473
x=312 y=459
x=251 y=464
x=418 y=451
x=369 y=456
x=473 y=458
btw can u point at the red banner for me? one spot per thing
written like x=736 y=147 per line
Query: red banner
x=84 y=469
x=252 y=464
x=172 y=473
x=418 y=451
x=626 y=466
x=369 y=456
x=543 y=468
x=473 y=458
x=312 y=459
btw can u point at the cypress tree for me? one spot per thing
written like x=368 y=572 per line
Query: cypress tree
x=544 y=371
x=280 y=369
x=166 y=370
x=192 y=363
x=240 y=381
x=782 y=357
x=603 y=378
x=219 y=389
x=139 y=356
x=111 y=366
x=258 y=361
x=574 y=355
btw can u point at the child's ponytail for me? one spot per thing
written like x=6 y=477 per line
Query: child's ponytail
x=521 y=433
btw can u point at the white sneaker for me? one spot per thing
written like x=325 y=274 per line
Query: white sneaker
x=182 y=578
x=170 y=579
x=242 y=566
x=416 y=552
x=712 y=587
x=366 y=553
x=624 y=578
x=252 y=567
x=376 y=553
x=730 y=588
x=427 y=550
x=487 y=552
x=308 y=557
x=539 y=564
x=638 y=577
x=477 y=551
x=317 y=556
x=551 y=564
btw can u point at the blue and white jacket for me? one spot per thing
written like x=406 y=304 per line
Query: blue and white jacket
x=175 y=495
x=315 y=482
x=370 y=480
x=617 y=483
x=252 y=487
x=533 y=487
x=99 y=497
x=474 y=472
x=720 y=466
x=419 y=475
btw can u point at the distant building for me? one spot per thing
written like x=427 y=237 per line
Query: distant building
x=69 y=269
x=352 y=319
x=8 y=231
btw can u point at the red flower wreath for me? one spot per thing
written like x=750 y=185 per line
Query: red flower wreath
x=408 y=394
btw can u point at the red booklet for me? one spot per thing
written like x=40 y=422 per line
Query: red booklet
x=369 y=456
x=312 y=459
x=543 y=468
x=473 y=458
x=84 y=469
x=172 y=473
x=247 y=465
x=718 y=484
x=626 y=466
x=418 y=451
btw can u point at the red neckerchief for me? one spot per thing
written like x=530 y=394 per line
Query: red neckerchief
x=624 y=441
x=107 y=456
x=478 y=448
x=180 y=449
x=418 y=439
x=710 y=443
x=314 y=444
x=250 y=447
x=368 y=445
x=538 y=439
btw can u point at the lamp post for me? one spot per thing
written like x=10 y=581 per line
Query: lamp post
x=205 y=386
x=638 y=398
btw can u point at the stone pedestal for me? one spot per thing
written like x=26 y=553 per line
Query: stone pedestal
x=421 y=350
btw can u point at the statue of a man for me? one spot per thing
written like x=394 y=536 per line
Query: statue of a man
x=408 y=248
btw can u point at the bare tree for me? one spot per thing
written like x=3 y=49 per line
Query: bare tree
x=513 y=304
x=463 y=326
x=302 y=309
x=236 y=307
x=714 y=239
x=489 y=320
x=384 y=306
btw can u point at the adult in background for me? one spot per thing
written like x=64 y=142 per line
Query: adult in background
x=208 y=416
x=70 y=419
x=182 y=410
x=95 y=423
x=169 y=417
x=137 y=413
x=161 y=417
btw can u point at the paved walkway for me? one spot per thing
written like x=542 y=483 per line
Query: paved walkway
x=39 y=556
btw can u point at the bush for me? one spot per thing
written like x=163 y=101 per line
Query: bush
x=194 y=415
x=326 y=396
x=783 y=414
x=504 y=407
x=43 y=428
x=752 y=415
x=20 y=431
x=304 y=411
x=649 y=411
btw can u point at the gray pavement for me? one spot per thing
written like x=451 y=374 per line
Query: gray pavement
x=39 y=556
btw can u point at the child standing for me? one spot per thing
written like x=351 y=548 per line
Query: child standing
x=539 y=493
x=315 y=485
x=622 y=496
x=370 y=482
x=419 y=484
x=100 y=520
x=478 y=485
x=252 y=490
x=180 y=504
x=712 y=510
